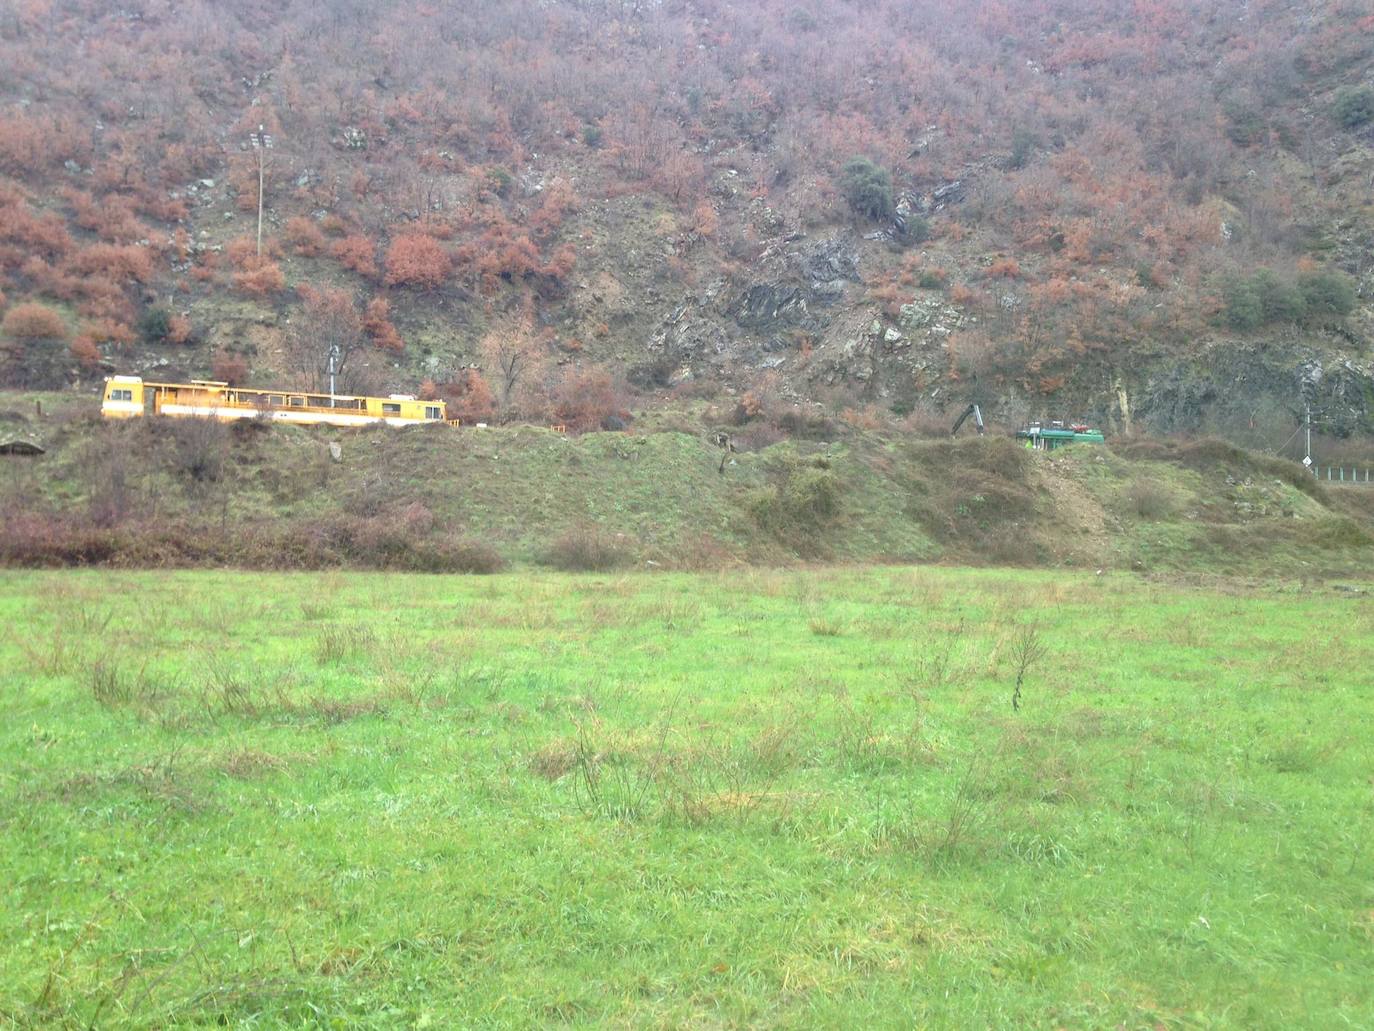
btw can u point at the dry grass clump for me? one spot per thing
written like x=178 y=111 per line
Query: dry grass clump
x=1149 y=499
x=587 y=549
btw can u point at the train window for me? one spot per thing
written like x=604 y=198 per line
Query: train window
x=276 y=399
x=299 y=402
x=432 y=412
x=121 y=395
x=390 y=409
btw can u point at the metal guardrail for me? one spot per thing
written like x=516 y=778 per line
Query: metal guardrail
x=1342 y=474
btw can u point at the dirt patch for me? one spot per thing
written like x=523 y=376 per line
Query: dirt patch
x=1082 y=533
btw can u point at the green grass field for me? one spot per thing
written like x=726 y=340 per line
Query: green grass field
x=749 y=799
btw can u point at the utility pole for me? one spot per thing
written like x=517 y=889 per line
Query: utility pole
x=1307 y=459
x=333 y=357
x=262 y=142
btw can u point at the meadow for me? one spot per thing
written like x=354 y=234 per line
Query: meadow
x=886 y=797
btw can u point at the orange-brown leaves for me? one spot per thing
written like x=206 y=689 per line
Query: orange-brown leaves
x=377 y=325
x=32 y=321
x=357 y=254
x=469 y=397
x=416 y=260
x=304 y=237
x=229 y=368
x=260 y=277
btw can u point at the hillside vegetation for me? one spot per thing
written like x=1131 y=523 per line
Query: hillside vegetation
x=191 y=492
x=1151 y=213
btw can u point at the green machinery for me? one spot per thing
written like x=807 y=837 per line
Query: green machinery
x=1056 y=434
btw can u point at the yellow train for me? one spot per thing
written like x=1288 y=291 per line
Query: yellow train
x=129 y=397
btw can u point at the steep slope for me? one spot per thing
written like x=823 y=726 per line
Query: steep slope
x=1153 y=214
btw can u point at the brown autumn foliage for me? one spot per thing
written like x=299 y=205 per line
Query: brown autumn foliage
x=1005 y=268
x=304 y=237
x=557 y=201
x=179 y=330
x=469 y=398
x=503 y=252
x=377 y=325
x=230 y=368
x=85 y=350
x=107 y=332
x=705 y=220
x=242 y=251
x=1103 y=145
x=329 y=321
x=357 y=254
x=31 y=322
x=260 y=277
x=416 y=260
x=407 y=538
x=119 y=262
x=586 y=399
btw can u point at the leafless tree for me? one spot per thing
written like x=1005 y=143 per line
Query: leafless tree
x=511 y=354
x=329 y=321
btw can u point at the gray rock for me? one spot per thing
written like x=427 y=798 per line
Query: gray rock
x=830 y=291
x=932 y=315
x=829 y=260
x=763 y=305
x=915 y=315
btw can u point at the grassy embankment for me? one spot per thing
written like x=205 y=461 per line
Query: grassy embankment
x=782 y=798
x=163 y=492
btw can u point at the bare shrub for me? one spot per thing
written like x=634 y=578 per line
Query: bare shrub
x=807 y=425
x=200 y=449
x=756 y=436
x=941 y=664
x=107 y=472
x=1149 y=499
x=587 y=549
x=608 y=783
x=691 y=786
x=227 y=693
x=967 y=813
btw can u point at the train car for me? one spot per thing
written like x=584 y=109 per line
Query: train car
x=1057 y=434
x=131 y=396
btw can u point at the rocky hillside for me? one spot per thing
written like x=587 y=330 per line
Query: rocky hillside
x=1152 y=214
